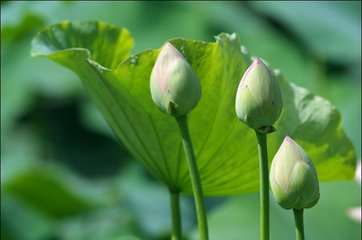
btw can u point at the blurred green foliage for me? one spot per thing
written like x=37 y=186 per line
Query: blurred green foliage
x=64 y=176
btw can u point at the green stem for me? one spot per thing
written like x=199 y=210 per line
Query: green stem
x=194 y=175
x=176 y=216
x=264 y=185
x=299 y=226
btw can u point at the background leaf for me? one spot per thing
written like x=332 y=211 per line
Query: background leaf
x=316 y=28
x=225 y=148
x=55 y=199
x=239 y=217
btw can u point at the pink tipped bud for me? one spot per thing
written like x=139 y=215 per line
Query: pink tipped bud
x=175 y=88
x=258 y=100
x=293 y=177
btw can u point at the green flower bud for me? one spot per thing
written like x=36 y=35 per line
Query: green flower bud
x=258 y=99
x=175 y=88
x=293 y=177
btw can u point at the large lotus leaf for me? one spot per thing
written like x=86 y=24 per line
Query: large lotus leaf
x=225 y=148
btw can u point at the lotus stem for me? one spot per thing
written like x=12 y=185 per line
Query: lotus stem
x=194 y=175
x=299 y=226
x=264 y=185
x=176 y=215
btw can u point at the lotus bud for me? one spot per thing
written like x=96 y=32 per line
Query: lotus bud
x=258 y=99
x=175 y=88
x=293 y=177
